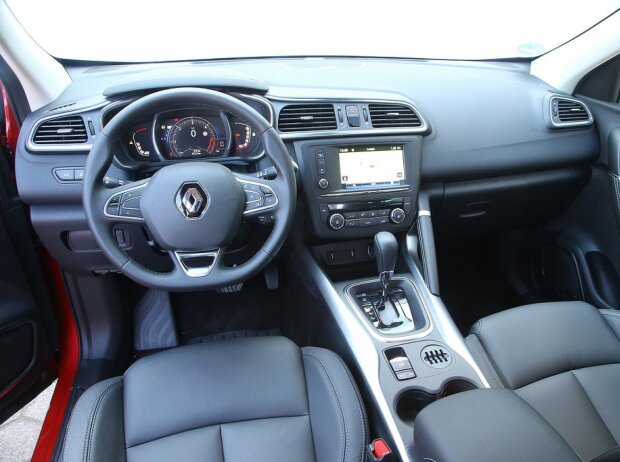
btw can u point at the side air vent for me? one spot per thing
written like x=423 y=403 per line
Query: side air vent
x=566 y=112
x=303 y=117
x=62 y=130
x=393 y=116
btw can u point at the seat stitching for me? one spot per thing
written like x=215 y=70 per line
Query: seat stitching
x=487 y=362
x=93 y=417
x=357 y=399
x=343 y=425
x=593 y=406
x=535 y=411
x=216 y=424
x=610 y=315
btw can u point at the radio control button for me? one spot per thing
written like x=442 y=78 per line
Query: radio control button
x=324 y=212
x=323 y=183
x=397 y=215
x=321 y=167
x=336 y=221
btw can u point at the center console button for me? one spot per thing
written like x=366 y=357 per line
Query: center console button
x=384 y=213
x=383 y=220
x=323 y=212
x=405 y=375
x=350 y=215
x=369 y=221
x=320 y=166
x=397 y=215
x=336 y=221
x=323 y=183
x=351 y=223
x=400 y=363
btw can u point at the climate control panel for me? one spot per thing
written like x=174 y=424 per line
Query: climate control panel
x=364 y=214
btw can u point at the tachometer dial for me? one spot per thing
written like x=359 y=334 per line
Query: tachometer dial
x=193 y=137
x=246 y=139
x=140 y=142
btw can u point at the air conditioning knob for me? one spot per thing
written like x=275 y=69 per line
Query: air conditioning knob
x=397 y=215
x=336 y=221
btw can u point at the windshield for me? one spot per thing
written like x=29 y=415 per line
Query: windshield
x=174 y=30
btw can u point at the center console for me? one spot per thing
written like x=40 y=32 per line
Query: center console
x=356 y=187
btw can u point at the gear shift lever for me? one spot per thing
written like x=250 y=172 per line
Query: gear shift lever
x=386 y=251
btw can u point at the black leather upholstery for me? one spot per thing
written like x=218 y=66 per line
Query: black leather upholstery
x=563 y=359
x=254 y=399
x=487 y=426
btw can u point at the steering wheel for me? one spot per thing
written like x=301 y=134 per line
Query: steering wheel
x=192 y=210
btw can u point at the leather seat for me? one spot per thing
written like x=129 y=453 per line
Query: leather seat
x=254 y=399
x=563 y=359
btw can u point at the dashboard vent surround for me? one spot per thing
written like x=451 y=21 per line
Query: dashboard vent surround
x=61 y=130
x=393 y=116
x=568 y=112
x=303 y=117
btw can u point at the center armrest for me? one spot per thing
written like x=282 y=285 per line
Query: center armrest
x=487 y=425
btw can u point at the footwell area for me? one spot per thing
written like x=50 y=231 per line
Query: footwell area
x=209 y=316
x=473 y=279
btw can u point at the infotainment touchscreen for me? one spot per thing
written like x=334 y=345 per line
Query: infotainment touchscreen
x=370 y=167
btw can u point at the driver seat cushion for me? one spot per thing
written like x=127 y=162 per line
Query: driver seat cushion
x=563 y=359
x=251 y=399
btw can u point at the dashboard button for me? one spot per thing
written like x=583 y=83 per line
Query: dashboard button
x=383 y=213
x=65 y=174
x=323 y=183
x=321 y=167
x=369 y=222
x=383 y=220
x=336 y=221
x=351 y=223
x=397 y=215
x=350 y=215
x=78 y=173
x=320 y=154
x=353 y=115
x=323 y=212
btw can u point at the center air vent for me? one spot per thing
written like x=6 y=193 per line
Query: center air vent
x=393 y=115
x=567 y=112
x=62 y=130
x=302 y=117
x=436 y=356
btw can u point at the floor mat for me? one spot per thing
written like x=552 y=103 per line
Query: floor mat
x=208 y=314
x=235 y=334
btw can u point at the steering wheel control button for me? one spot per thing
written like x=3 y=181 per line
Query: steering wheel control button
x=323 y=183
x=397 y=216
x=133 y=203
x=336 y=221
x=251 y=196
x=112 y=210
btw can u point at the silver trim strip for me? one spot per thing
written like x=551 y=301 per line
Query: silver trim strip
x=369 y=191
x=424 y=127
x=120 y=193
x=362 y=346
x=581 y=123
x=196 y=272
x=80 y=147
x=424 y=213
x=415 y=334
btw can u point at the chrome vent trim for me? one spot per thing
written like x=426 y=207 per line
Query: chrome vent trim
x=393 y=116
x=61 y=130
x=307 y=117
x=569 y=112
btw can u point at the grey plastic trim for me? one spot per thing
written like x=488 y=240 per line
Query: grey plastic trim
x=366 y=191
x=423 y=128
x=79 y=147
x=580 y=123
x=263 y=100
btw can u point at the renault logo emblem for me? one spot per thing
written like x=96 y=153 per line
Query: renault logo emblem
x=191 y=200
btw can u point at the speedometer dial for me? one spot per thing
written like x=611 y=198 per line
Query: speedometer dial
x=193 y=137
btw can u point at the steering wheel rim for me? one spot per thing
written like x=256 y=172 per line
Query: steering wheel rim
x=96 y=198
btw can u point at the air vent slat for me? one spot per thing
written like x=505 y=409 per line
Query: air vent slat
x=62 y=130
x=303 y=117
x=393 y=115
x=569 y=113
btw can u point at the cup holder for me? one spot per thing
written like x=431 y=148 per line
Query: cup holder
x=411 y=402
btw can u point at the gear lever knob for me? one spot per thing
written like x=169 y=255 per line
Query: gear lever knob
x=386 y=251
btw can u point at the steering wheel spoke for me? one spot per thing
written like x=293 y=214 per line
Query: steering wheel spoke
x=197 y=264
x=262 y=197
x=122 y=204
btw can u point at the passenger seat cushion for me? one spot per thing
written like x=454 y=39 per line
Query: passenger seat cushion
x=532 y=342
